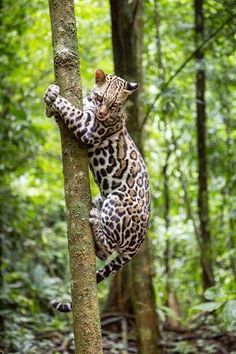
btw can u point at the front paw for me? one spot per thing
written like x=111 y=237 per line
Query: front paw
x=51 y=94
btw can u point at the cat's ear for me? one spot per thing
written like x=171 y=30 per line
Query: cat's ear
x=131 y=87
x=100 y=77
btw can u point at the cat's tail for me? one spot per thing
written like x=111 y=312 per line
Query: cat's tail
x=113 y=266
x=61 y=307
x=101 y=274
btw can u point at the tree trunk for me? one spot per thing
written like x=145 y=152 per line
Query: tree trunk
x=171 y=298
x=228 y=190
x=127 y=33
x=86 y=319
x=119 y=297
x=143 y=298
x=203 y=212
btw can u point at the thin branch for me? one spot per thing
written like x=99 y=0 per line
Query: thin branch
x=182 y=66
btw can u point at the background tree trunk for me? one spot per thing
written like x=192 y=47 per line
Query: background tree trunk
x=77 y=191
x=203 y=211
x=171 y=297
x=127 y=33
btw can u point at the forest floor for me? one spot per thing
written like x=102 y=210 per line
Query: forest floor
x=119 y=338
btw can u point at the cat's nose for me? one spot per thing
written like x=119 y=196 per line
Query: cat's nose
x=102 y=114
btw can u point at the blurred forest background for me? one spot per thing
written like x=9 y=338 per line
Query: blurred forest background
x=188 y=101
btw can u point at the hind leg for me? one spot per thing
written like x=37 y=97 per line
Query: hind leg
x=103 y=246
x=97 y=204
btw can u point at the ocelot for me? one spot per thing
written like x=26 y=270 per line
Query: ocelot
x=119 y=217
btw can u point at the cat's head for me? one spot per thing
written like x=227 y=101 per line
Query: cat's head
x=110 y=93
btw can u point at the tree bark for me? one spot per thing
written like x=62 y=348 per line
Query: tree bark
x=201 y=120
x=86 y=321
x=127 y=33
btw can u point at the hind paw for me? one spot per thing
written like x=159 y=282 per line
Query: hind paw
x=101 y=255
x=95 y=216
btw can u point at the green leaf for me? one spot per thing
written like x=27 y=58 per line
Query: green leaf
x=207 y=306
x=212 y=293
x=229 y=314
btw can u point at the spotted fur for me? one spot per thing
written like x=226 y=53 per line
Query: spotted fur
x=119 y=217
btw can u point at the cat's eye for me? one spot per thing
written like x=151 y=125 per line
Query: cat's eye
x=115 y=104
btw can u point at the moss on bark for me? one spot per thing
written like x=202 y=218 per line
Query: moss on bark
x=86 y=320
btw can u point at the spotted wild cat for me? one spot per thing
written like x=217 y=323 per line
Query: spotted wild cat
x=119 y=217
